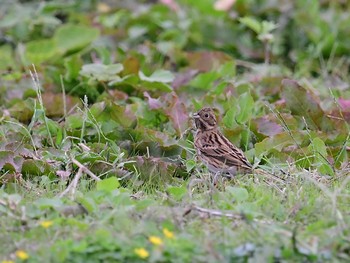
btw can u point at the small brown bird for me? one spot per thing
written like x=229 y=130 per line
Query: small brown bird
x=214 y=149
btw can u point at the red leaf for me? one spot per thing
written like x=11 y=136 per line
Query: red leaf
x=176 y=111
x=268 y=127
x=344 y=104
x=153 y=103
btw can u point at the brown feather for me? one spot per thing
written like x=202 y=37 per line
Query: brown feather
x=214 y=149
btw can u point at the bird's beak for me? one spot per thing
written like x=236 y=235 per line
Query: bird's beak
x=195 y=115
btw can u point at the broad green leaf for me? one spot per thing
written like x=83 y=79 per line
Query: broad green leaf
x=70 y=37
x=190 y=164
x=205 y=8
x=74 y=122
x=35 y=167
x=38 y=51
x=229 y=118
x=108 y=184
x=319 y=147
x=320 y=150
x=22 y=110
x=252 y=23
x=161 y=75
x=228 y=70
x=268 y=26
x=277 y=142
x=81 y=225
x=7 y=57
x=88 y=203
x=102 y=72
x=45 y=203
x=205 y=80
x=246 y=105
x=72 y=65
x=159 y=86
x=219 y=89
x=177 y=192
x=59 y=136
x=240 y=194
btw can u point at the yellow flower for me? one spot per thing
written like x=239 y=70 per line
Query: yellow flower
x=7 y=261
x=141 y=252
x=167 y=233
x=46 y=224
x=155 y=240
x=22 y=254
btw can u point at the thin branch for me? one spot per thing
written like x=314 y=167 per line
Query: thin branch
x=73 y=185
x=85 y=170
x=217 y=212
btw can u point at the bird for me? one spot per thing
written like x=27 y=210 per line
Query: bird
x=214 y=149
x=220 y=155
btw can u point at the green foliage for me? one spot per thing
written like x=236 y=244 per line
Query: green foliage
x=108 y=184
x=111 y=94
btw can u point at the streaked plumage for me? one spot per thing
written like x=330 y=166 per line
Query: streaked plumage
x=214 y=149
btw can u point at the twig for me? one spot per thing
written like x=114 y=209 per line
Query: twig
x=73 y=185
x=85 y=170
x=216 y=212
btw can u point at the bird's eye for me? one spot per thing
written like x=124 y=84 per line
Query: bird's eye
x=206 y=115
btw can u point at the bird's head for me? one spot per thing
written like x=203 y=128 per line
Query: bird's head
x=205 y=119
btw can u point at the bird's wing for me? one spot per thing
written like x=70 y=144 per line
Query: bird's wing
x=224 y=151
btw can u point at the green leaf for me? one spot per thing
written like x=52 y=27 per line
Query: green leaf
x=228 y=70
x=229 y=118
x=74 y=122
x=190 y=164
x=45 y=203
x=72 y=65
x=205 y=80
x=320 y=150
x=246 y=105
x=268 y=26
x=252 y=23
x=156 y=86
x=88 y=203
x=240 y=194
x=277 y=142
x=177 y=192
x=71 y=37
x=108 y=184
x=163 y=76
x=319 y=147
x=7 y=57
x=35 y=167
x=39 y=51
x=102 y=72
